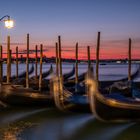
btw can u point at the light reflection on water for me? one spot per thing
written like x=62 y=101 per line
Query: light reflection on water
x=13 y=131
x=9 y=129
x=17 y=115
x=52 y=124
x=61 y=128
x=111 y=132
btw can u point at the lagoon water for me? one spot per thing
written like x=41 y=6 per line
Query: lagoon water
x=52 y=124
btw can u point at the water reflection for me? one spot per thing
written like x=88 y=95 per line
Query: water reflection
x=13 y=131
x=14 y=114
x=60 y=129
x=52 y=124
x=110 y=132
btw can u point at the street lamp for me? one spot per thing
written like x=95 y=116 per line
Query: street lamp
x=8 y=22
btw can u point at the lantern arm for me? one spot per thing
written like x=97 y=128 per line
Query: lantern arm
x=5 y=17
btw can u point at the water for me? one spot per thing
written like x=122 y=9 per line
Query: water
x=52 y=124
x=46 y=124
x=106 y=72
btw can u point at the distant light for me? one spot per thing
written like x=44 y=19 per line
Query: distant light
x=9 y=23
x=118 y=62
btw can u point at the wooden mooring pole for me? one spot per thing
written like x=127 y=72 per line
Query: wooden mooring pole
x=17 y=62
x=57 y=70
x=1 y=66
x=129 y=60
x=76 y=64
x=8 y=60
x=36 y=60
x=40 y=76
x=60 y=62
x=27 y=63
x=89 y=61
x=97 y=57
x=60 y=69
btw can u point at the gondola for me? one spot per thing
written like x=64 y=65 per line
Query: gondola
x=46 y=82
x=26 y=96
x=71 y=81
x=103 y=84
x=66 y=76
x=22 y=75
x=45 y=74
x=22 y=96
x=19 y=95
x=115 y=105
x=75 y=97
x=32 y=80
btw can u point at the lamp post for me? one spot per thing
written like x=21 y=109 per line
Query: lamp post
x=7 y=21
x=8 y=24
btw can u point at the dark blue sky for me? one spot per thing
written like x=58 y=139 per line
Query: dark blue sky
x=75 y=20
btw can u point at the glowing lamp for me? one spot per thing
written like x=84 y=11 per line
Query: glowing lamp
x=9 y=23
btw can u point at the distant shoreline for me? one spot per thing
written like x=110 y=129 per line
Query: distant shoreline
x=53 y=59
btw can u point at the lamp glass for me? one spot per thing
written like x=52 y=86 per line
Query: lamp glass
x=9 y=23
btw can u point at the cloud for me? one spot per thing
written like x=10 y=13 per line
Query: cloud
x=32 y=51
x=122 y=41
x=67 y=50
x=136 y=40
x=14 y=43
x=25 y=51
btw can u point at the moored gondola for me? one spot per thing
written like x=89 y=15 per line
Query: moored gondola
x=117 y=104
x=34 y=84
x=70 y=96
x=81 y=78
x=113 y=106
x=22 y=75
x=66 y=76
x=44 y=74
x=103 y=84
x=18 y=95
x=33 y=81
x=25 y=96
x=74 y=96
x=70 y=99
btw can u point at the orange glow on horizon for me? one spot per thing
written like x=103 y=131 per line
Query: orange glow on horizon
x=108 y=50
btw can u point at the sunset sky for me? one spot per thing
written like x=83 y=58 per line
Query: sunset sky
x=76 y=21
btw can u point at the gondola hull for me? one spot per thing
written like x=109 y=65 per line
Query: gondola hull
x=106 y=109
x=69 y=100
x=79 y=108
x=78 y=103
x=18 y=95
x=21 y=75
